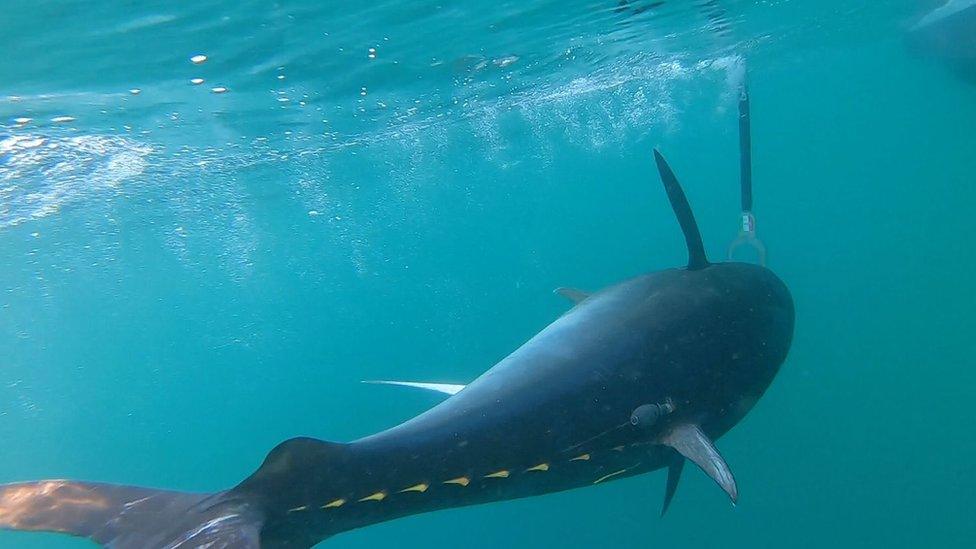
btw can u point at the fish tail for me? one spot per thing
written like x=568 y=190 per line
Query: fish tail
x=129 y=517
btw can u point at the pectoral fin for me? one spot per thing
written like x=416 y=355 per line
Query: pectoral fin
x=674 y=475
x=572 y=294
x=690 y=442
x=446 y=388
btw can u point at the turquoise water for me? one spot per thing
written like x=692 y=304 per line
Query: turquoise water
x=189 y=277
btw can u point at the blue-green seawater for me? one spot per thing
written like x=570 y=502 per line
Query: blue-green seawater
x=188 y=277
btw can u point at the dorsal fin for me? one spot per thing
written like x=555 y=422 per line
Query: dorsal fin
x=572 y=294
x=696 y=251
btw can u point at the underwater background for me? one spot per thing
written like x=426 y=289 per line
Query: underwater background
x=192 y=273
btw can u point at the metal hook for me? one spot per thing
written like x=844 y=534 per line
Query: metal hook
x=747 y=237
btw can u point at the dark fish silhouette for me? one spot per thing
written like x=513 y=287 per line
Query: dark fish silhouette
x=636 y=377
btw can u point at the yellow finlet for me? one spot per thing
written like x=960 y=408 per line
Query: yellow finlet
x=460 y=481
x=539 y=467
x=613 y=474
x=297 y=509
x=334 y=503
x=498 y=474
x=378 y=496
x=422 y=487
x=582 y=457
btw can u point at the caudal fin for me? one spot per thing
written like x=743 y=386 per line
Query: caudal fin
x=127 y=517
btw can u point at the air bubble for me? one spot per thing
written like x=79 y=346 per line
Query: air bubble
x=503 y=62
x=198 y=59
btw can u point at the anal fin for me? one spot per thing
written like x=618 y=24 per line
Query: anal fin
x=692 y=443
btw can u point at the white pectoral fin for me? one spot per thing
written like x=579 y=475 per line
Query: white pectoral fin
x=446 y=388
x=691 y=442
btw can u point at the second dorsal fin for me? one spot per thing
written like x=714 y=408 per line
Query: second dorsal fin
x=696 y=251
